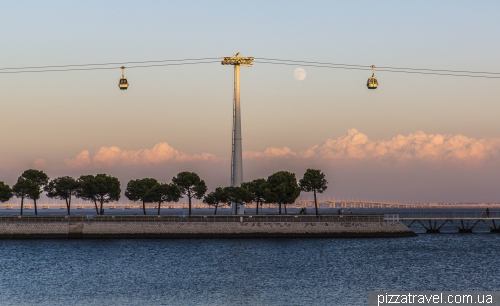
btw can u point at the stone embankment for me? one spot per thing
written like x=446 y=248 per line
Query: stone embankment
x=109 y=227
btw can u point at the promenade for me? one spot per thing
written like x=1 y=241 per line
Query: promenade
x=168 y=226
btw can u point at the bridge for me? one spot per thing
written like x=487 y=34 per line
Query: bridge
x=433 y=222
x=323 y=204
x=382 y=204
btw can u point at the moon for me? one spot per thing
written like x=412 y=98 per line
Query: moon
x=299 y=74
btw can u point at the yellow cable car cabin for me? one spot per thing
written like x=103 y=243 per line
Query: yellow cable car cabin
x=372 y=82
x=123 y=83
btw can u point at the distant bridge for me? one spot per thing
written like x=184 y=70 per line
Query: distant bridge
x=332 y=204
x=382 y=204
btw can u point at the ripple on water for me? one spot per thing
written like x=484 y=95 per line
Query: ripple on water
x=241 y=272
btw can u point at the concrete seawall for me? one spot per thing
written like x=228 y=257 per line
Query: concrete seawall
x=85 y=228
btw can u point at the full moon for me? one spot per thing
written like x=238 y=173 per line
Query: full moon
x=299 y=74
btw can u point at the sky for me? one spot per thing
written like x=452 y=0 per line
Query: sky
x=417 y=138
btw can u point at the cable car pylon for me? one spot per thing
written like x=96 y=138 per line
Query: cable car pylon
x=237 y=152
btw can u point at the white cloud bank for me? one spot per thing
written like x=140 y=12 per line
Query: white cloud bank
x=114 y=156
x=354 y=145
x=415 y=146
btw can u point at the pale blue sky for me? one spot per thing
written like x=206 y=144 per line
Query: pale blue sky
x=54 y=116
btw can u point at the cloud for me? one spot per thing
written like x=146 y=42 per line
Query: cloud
x=353 y=145
x=114 y=156
x=269 y=152
x=81 y=160
x=416 y=146
x=40 y=163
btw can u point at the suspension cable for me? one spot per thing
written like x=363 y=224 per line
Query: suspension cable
x=211 y=60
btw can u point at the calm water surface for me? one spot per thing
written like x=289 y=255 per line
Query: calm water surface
x=241 y=272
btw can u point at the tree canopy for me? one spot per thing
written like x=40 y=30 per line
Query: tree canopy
x=216 y=198
x=24 y=188
x=5 y=192
x=37 y=176
x=108 y=189
x=282 y=188
x=140 y=190
x=227 y=195
x=62 y=188
x=258 y=188
x=315 y=181
x=87 y=190
x=191 y=185
x=161 y=193
x=40 y=179
x=101 y=188
x=240 y=195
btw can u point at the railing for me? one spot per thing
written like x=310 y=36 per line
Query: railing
x=449 y=215
x=43 y=219
x=391 y=218
x=194 y=218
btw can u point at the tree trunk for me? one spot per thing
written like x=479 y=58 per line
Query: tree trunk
x=22 y=205
x=68 y=204
x=96 y=209
x=36 y=210
x=315 y=202
x=257 y=208
x=286 y=213
x=159 y=207
x=144 y=207
x=102 y=209
x=189 y=197
x=216 y=209
x=280 y=208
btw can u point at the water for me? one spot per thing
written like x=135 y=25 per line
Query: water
x=241 y=272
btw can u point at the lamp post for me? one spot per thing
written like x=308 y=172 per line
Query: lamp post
x=236 y=156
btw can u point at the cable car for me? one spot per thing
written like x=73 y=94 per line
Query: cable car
x=123 y=83
x=372 y=82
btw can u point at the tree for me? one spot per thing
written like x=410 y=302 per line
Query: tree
x=23 y=189
x=62 y=188
x=314 y=180
x=108 y=189
x=38 y=177
x=217 y=197
x=190 y=185
x=5 y=192
x=139 y=190
x=239 y=195
x=161 y=193
x=258 y=188
x=282 y=189
x=101 y=188
x=87 y=190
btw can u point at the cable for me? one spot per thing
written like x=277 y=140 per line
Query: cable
x=209 y=60
x=106 y=64
x=384 y=69
x=417 y=69
x=106 y=68
x=445 y=74
x=319 y=63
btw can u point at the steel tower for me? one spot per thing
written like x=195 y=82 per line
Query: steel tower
x=236 y=156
